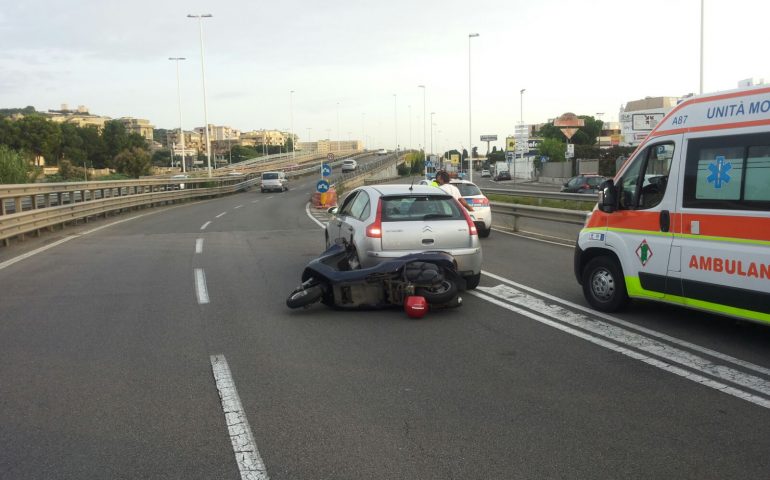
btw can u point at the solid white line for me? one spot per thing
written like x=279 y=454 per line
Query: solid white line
x=628 y=338
x=757 y=400
x=307 y=210
x=646 y=331
x=203 y=227
x=24 y=256
x=254 y=201
x=237 y=207
x=247 y=456
x=199 y=245
x=269 y=197
x=200 y=286
x=221 y=215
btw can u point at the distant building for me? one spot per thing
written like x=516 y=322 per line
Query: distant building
x=639 y=117
x=219 y=133
x=330 y=146
x=271 y=138
x=80 y=117
x=139 y=126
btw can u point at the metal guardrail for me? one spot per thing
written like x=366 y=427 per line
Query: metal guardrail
x=561 y=215
x=53 y=204
x=583 y=197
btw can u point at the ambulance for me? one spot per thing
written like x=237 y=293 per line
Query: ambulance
x=687 y=218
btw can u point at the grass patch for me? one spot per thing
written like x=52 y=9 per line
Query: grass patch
x=580 y=205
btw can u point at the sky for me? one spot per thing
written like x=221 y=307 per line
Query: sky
x=345 y=61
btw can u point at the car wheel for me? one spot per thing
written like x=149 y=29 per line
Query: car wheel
x=604 y=285
x=438 y=294
x=472 y=281
x=304 y=296
x=484 y=232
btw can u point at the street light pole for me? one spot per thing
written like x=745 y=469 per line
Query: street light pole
x=395 y=119
x=470 y=129
x=410 y=127
x=338 y=128
x=179 y=102
x=701 y=47
x=291 y=121
x=431 y=132
x=200 y=18
x=521 y=130
x=424 y=119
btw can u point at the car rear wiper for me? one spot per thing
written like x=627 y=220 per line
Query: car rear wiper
x=437 y=215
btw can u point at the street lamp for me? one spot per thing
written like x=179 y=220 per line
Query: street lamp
x=338 y=127
x=470 y=129
x=291 y=121
x=179 y=102
x=200 y=18
x=410 y=127
x=701 y=47
x=431 y=132
x=395 y=119
x=424 y=119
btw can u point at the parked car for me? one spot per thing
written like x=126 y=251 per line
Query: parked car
x=389 y=221
x=349 y=165
x=583 y=184
x=485 y=173
x=482 y=213
x=503 y=175
x=274 y=181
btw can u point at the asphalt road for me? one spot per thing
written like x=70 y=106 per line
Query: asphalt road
x=106 y=345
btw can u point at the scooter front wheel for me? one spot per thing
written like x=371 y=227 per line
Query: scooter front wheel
x=304 y=296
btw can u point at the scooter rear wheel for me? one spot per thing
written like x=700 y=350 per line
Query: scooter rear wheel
x=302 y=297
x=437 y=294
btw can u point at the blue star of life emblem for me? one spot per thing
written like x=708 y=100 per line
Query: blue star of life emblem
x=719 y=171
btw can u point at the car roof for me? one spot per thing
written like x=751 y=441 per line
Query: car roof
x=407 y=189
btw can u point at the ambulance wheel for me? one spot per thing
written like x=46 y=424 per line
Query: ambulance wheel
x=603 y=284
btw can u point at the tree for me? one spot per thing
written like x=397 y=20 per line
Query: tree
x=71 y=147
x=553 y=149
x=161 y=157
x=68 y=171
x=134 y=162
x=475 y=152
x=40 y=136
x=15 y=168
x=115 y=138
x=93 y=146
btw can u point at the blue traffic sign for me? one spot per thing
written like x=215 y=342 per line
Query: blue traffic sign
x=326 y=170
x=322 y=186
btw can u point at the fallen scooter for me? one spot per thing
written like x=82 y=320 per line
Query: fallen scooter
x=335 y=279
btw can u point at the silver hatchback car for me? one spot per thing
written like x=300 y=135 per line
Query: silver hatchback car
x=389 y=221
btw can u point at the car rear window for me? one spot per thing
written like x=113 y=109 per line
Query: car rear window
x=269 y=176
x=595 y=181
x=404 y=208
x=467 y=189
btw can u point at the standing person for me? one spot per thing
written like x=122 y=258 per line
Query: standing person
x=442 y=177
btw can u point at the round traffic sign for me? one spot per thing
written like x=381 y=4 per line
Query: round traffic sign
x=322 y=186
x=326 y=170
x=330 y=156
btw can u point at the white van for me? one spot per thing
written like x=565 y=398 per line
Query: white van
x=687 y=218
x=274 y=181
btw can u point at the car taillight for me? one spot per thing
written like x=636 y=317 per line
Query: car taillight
x=374 y=230
x=484 y=202
x=586 y=186
x=471 y=226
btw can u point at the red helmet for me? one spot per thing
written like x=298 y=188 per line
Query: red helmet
x=415 y=306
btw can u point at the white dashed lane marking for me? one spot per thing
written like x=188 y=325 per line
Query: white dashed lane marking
x=203 y=227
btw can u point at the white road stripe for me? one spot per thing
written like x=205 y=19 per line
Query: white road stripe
x=629 y=339
x=514 y=234
x=307 y=210
x=646 y=331
x=269 y=197
x=199 y=245
x=247 y=456
x=24 y=256
x=203 y=227
x=254 y=201
x=221 y=215
x=237 y=207
x=200 y=286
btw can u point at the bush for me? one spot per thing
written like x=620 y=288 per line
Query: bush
x=15 y=168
